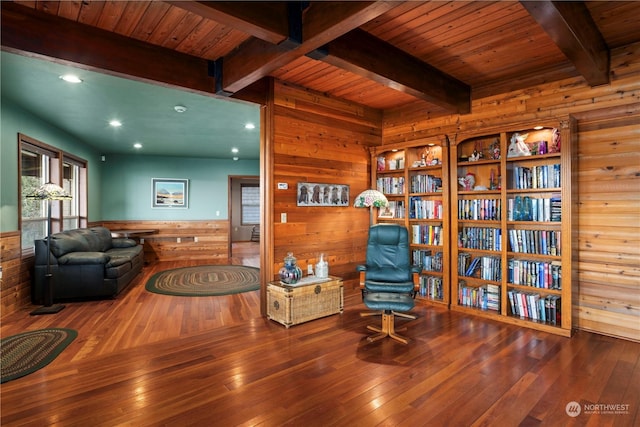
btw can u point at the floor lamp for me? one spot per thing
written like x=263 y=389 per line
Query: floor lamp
x=48 y=192
x=370 y=199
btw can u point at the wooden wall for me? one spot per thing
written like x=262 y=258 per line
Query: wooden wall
x=15 y=286
x=608 y=178
x=321 y=140
x=212 y=238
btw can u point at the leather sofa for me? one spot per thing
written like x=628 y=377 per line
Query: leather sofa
x=86 y=263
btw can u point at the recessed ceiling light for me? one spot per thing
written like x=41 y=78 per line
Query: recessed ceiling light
x=235 y=159
x=137 y=146
x=115 y=123
x=234 y=150
x=71 y=78
x=539 y=127
x=249 y=126
x=180 y=108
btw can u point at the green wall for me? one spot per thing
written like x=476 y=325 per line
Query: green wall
x=119 y=187
x=127 y=193
x=14 y=120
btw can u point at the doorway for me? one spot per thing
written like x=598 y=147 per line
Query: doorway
x=244 y=219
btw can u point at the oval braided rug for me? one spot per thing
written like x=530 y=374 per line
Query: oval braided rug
x=205 y=280
x=27 y=352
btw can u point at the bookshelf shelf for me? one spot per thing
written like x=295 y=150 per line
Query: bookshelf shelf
x=522 y=208
x=415 y=174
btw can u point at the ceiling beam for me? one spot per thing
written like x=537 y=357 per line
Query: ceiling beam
x=26 y=30
x=365 y=55
x=265 y=20
x=571 y=27
x=321 y=23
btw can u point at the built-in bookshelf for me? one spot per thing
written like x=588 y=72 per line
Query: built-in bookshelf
x=513 y=227
x=414 y=178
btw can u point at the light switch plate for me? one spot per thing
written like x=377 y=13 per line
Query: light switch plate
x=283 y=217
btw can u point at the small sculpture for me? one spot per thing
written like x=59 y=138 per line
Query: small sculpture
x=467 y=182
x=518 y=148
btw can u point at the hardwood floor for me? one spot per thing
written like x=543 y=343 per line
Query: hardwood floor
x=147 y=360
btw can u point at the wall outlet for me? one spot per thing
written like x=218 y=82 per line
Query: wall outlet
x=283 y=217
x=195 y=240
x=178 y=240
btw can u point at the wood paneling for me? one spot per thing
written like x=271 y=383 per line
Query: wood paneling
x=15 y=285
x=212 y=239
x=323 y=140
x=608 y=116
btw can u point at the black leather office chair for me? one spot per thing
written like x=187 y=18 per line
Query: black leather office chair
x=388 y=281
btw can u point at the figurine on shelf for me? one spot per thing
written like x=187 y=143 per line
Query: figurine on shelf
x=495 y=150
x=493 y=184
x=467 y=182
x=555 y=141
x=518 y=148
x=426 y=157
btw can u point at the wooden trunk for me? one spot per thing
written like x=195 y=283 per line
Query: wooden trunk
x=307 y=300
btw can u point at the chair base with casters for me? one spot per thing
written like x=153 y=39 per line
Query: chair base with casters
x=389 y=305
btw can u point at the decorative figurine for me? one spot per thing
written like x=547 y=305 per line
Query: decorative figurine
x=518 y=148
x=467 y=182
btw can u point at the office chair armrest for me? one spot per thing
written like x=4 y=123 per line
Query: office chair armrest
x=416 y=269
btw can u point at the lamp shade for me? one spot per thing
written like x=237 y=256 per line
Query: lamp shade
x=49 y=191
x=370 y=198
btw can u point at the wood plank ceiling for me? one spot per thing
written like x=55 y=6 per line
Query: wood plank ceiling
x=381 y=54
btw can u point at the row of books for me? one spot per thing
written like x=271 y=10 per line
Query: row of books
x=426 y=260
x=543 y=176
x=484 y=297
x=538 y=274
x=540 y=242
x=534 y=209
x=480 y=209
x=484 y=238
x=425 y=184
x=425 y=209
x=431 y=287
x=484 y=267
x=426 y=234
x=390 y=184
x=529 y=305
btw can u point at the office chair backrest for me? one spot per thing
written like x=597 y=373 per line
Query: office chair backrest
x=388 y=254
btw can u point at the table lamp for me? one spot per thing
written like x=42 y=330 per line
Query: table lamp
x=48 y=192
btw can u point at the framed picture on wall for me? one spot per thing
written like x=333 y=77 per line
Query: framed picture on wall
x=170 y=193
x=318 y=194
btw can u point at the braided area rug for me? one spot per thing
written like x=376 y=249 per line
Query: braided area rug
x=205 y=280
x=27 y=352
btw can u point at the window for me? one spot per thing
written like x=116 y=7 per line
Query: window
x=250 y=204
x=39 y=164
